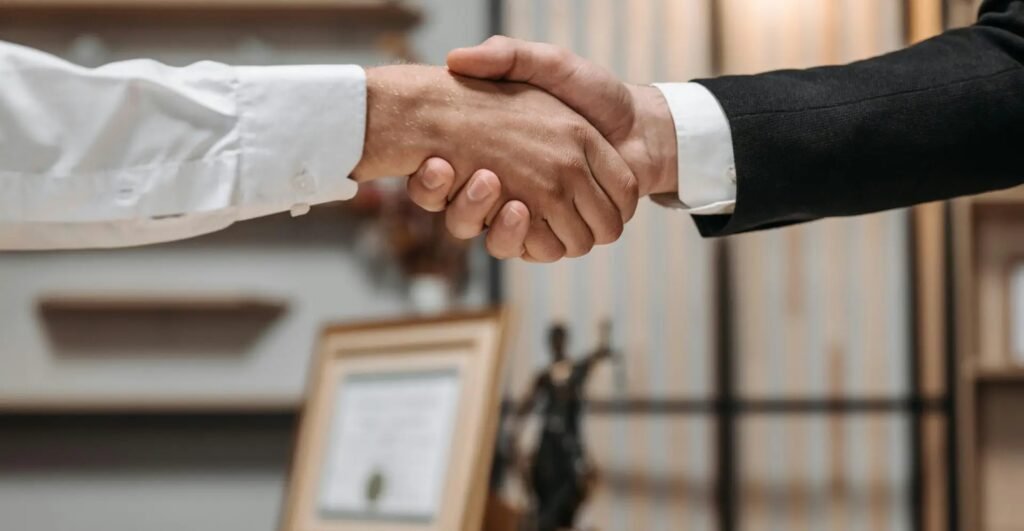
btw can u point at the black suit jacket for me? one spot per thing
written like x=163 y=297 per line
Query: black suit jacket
x=940 y=119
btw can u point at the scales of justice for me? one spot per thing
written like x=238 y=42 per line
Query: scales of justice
x=559 y=475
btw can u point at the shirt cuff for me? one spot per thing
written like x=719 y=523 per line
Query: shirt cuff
x=707 y=168
x=302 y=130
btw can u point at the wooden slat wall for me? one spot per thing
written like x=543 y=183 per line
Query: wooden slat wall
x=925 y=21
x=655 y=284
x=822 y=310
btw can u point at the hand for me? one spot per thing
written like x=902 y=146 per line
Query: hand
x=432 y=185
x=635 y=119
x=578 y=189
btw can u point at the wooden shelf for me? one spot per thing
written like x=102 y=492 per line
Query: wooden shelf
x=135 y=405
x=999 y=375
x=162 y=303
x=242 y=5
x=401 y=12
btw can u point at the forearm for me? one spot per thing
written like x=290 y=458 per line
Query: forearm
x=937 y=120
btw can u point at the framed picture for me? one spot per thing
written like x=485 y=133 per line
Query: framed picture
x=1015 y=311
x=398 y=429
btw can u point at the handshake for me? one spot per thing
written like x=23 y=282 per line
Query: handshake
x=548 y=152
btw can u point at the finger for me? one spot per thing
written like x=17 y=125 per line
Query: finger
x=507 y=236
x=568 y=225
x=613 y=175
x=469 y=212
x=599 y=213
x=430 y=185
x=541 y=243
x=588 y=88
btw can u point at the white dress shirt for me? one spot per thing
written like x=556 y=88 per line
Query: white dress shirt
x=707 y=167
x=138 y=152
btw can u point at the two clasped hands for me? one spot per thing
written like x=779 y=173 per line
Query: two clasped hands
x=547 y=152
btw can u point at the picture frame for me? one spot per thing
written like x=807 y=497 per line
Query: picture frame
x=398 y=429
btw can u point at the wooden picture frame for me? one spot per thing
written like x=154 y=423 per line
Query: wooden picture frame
x=443 y=373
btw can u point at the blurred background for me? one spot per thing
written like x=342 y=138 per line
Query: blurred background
x=848 y=374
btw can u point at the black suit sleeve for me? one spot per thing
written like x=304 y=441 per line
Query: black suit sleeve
x=940 y=119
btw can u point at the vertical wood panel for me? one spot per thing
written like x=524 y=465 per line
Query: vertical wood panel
x=934 y=478
x=792 y=323
x=816 y=311
x=848 y=501
x=925 y=21
x=658 y=292
x=639 y=68
x=809 y=308
x=518 y=20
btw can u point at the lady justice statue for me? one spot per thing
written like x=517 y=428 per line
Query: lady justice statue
x=560 y=473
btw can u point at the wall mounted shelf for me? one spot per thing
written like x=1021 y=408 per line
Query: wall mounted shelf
x=389 y=11
x=159 y=303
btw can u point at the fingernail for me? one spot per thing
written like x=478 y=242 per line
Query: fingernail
x=432 y=180
x=478 y=190
x=512 y=217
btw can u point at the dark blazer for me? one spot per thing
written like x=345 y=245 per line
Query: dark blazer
x=940 y=119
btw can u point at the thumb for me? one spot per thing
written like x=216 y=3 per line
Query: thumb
x=592 y=91
x=493 y=59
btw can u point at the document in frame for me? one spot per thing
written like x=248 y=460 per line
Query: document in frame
x=388 y=452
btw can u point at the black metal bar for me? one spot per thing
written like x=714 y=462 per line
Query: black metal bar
x=952 y=418
x=914 y=364
x=725 y=389
x=495 y=291
x=496 y=17
x=782 y=406
x=901 y=405
x=726 y=471
x=717 y=48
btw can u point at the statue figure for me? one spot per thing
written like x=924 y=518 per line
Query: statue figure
x=560 y=473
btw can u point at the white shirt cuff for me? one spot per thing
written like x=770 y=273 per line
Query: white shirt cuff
x=302 y=130
x=707 y=168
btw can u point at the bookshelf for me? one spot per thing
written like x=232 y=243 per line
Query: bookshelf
x=987 y=248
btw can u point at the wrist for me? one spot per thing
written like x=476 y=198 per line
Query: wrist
x=653 y=141
x=395 y=141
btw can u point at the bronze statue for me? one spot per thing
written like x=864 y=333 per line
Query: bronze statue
x=560 y=473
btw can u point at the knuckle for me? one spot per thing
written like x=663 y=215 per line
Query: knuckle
x=555 y=189
x=546 y=254
x=574 y=165
x=559 y=54
x=630 y=191
x=579 y=130
x=501 y=251
x=581 y=247
x=610 y=232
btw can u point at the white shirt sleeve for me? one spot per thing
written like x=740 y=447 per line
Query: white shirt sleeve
x=138 y=152
x=707 y=168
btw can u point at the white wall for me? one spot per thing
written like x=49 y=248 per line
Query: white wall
x=153 y=474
